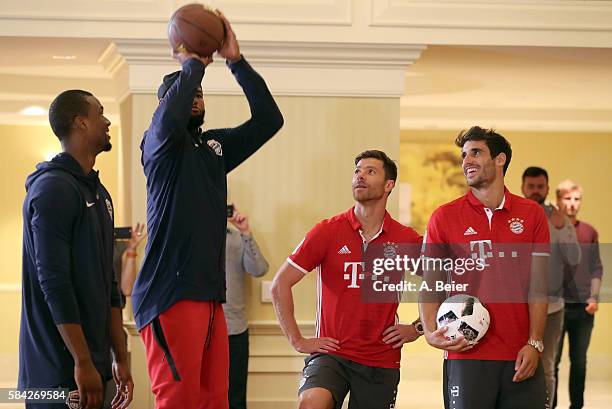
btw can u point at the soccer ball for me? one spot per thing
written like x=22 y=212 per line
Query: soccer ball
x=464 y=314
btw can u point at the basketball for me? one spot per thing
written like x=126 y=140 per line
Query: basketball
x=464 y=315
x=196 y=29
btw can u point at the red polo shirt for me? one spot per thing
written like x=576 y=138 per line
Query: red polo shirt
x=506 y=238
x=334 y=247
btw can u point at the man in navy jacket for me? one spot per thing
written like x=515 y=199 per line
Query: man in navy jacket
x=178 y=294
x=71 y=310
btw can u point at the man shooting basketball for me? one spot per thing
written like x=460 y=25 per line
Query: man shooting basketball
x=178 y=294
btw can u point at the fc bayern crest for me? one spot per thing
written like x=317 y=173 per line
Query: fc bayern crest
x=516 y=225
x=389 y=250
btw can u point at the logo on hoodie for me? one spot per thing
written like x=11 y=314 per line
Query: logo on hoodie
x=109 y=207
x=216 y=146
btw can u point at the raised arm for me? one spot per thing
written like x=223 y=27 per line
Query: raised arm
x=253 y=262
x=129 y=268
x=174 y=109
x=266 y=119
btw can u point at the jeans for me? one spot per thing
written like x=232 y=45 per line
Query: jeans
x=578 y=325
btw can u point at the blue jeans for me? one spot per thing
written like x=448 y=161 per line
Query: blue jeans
x=578 y=325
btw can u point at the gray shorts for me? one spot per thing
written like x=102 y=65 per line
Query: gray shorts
x=371 y=387
x=474 y=384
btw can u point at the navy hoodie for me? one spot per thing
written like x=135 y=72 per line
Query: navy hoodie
x=187 y=191
x=67 y=271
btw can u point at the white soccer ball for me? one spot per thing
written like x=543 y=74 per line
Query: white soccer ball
x=464 y=314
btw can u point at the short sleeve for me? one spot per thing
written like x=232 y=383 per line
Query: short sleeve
x=435 y=241
x=311 y=250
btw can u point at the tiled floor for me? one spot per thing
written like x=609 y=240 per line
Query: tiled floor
x=427 y=395
x=415 y=394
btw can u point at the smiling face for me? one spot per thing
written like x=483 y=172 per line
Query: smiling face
x=479 y=168
x=369 y=181
x=96 y=126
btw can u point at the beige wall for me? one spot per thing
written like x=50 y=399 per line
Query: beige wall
x=23 y=147
x=301 y=176
x=304 y=174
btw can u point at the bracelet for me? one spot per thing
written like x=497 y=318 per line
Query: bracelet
x=130 y=254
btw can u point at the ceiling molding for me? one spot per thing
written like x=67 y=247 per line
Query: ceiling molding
x=378 y=55
x=516 y=119
x=305 y=12
x=539 y=15
x=324 y=69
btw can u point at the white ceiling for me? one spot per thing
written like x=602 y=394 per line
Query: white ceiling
x=29 y=75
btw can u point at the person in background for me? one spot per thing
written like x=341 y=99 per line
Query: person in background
x=124 y=259
x=242 y=257
x=581 y=291
x=564 y=253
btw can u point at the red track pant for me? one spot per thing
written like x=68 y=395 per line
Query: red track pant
x=187 y=356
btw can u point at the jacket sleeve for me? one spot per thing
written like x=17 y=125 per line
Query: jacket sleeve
x=117 y=298
x=171 y=117
x=266 y=119
x=54 y=209
x=595 y=266
x=253 y=261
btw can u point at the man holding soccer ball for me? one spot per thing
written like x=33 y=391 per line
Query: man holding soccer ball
x=501 y=370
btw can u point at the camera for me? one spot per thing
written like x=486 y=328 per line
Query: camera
x=123 y=233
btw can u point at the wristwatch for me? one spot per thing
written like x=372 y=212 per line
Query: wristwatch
x=418 y=327
x=537 y=344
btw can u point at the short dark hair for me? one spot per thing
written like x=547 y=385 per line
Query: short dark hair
x=388 y=165
x=64 y=108
x=534 y=172
x=495 y=142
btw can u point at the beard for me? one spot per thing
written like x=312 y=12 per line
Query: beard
x=368 y=195
x=107 y=147
x=536 y=197
x=195 y=121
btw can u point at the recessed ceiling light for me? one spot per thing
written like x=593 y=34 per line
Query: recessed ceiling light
x=33 y=111
x=64 y=57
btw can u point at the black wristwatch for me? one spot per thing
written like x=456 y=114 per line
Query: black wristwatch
x=418 y=326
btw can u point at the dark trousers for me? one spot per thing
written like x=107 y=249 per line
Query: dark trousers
x=238 y=369
x=479 y=384
x=578 y=325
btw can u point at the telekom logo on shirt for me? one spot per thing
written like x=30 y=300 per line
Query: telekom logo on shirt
x=354 y=273
x=483 y=249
